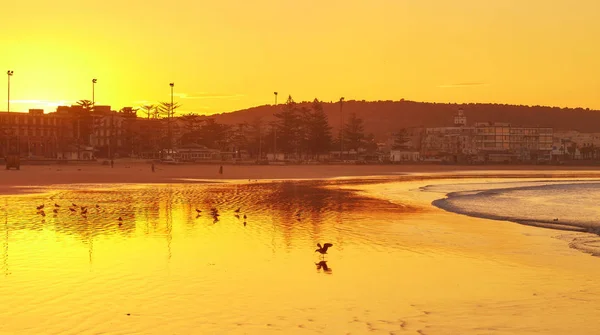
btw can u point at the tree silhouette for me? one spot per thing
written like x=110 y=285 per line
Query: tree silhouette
x=354 y=132
x=165 y=109
x=401 y=140
x=287 y=125
x=87 y=105
x=319 y=131
x=148 y=110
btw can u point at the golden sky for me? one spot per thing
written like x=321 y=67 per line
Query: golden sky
x=225 y=55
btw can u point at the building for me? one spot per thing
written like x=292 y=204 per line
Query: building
x=404 y=156
x=39 y=135
x=486 y=141
x=503 y=142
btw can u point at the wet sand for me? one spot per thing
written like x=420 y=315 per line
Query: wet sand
x=398 y=265
x=137 y=172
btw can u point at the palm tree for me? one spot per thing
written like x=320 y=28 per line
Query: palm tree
x=147 y=109
x=87 y=105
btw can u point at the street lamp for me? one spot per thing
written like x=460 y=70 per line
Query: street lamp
x=341 y=128
x=9 y=73
x=169 y=119
x=94 y=81
x=275 y=98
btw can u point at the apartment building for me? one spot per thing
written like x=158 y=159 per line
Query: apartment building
x=38 y=134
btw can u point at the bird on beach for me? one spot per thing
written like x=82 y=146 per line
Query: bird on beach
x=323 y=249
x=120 y=219
x=556 y=219
x=72 y=209
x=245 y=217
x=55 y=211
x=198 y=211
x=42 y=213
x=73 y=204
x=56 y=205
x=40 y=207
x=238 y=210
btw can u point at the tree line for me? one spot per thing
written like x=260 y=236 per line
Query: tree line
x=298 y=131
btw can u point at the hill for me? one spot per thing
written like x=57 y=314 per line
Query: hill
x=384 y=117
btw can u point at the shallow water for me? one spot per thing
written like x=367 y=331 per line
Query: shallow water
x=396 y=265
x=166 y=268
x=564 y=205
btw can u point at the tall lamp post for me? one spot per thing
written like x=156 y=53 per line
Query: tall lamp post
x=341 y=129
x=275 y=98
x=169 y=120
x=94 y=81
x=10 y=74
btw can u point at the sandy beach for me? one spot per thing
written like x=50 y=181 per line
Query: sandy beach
x=138 y=172
x=398 y=264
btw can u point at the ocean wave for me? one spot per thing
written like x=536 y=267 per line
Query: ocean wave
x=561 y=205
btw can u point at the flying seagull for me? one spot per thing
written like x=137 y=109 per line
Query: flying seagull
x=323 y=249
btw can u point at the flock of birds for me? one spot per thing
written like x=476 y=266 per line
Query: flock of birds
x=214 y=212
x=74 y=209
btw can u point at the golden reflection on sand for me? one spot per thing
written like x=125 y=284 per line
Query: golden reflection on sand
x=397 y=264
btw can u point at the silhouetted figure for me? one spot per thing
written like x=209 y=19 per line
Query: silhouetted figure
x=323 y=249
x=323 y=265
x=221 y=170
x=244 y=223
x=152 y=167
x=112 y=163
x=245 y=217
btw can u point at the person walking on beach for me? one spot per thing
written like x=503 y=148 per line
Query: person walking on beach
x=221 y=170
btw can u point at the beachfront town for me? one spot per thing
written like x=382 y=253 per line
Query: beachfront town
x=87 y=133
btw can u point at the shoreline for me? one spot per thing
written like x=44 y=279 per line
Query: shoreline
x=140 y=173
x=587 y=241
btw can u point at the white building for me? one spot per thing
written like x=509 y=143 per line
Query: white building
x=404 y=156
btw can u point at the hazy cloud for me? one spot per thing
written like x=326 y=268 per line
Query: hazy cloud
x=42 y=102
x=206 y=95
x=463 y=85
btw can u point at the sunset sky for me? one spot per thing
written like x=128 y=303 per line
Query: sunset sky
x=225 y=55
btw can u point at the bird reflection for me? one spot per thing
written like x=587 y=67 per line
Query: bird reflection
x=323 y=265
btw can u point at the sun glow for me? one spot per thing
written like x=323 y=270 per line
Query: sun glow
x=236 y=53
